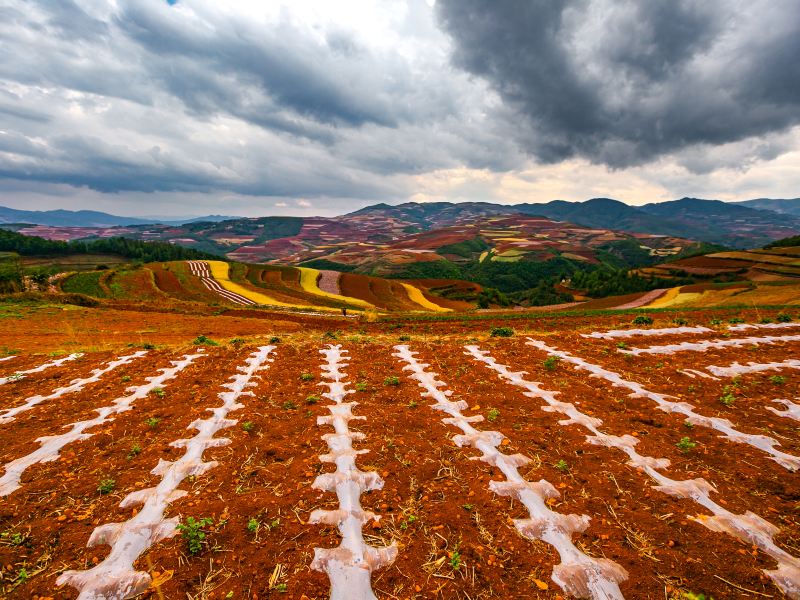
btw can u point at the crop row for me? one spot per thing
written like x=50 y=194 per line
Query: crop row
x=350 y=565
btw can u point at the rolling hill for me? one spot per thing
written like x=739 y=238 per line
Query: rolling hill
x=746 y=224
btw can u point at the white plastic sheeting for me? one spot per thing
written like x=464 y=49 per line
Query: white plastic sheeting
x=17 y=375
x=736 y=369
x=710 y=345
x=626 y=333
x=75 y=385
x=791 y=410
x=746 y=326
x=115 y=577
x=748 y=527
x=5 y=358
x=349 y=567
x=51 y=445
x=579 y=575
x=692 y=373
x=724 y=426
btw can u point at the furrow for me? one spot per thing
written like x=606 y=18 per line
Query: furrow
x=579 y=575
x=201 y=269
x=50 y=446
x=626 y=333
x=115 y=577
x=349 y=566
x=75 y=385
x=746 y=326
x=17 y=375
x=761 y=442
x=749 y=528
x=709 y=345
x=735 y=369
x=791 y=411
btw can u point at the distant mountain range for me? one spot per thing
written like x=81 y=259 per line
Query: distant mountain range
x=88 y=218
x=746 y=224
x=788 y=206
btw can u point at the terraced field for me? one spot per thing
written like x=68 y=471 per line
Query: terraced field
x=237 y=284
x=586 y=458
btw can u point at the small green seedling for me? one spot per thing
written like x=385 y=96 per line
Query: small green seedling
x=680 y=322
x=106 y=486
x=409 y=520
x=562 y=465
x=361 y=386
x=492 y=414
x=253 y=524
x=715 y=322
x=391 y=380
x=237 y=341
x=467 y=507
x=135 y=451
x=152 y=422
x=501 y=332
x=551 y=362
x=192 y=531
x=22 y=576
x=274 y=340
x=289 y=405
x=14 y=539
x=125 y=378
x=778 y=379
x=404 y=338
x=306 y=377
x=643 y=320
x=622 y=345
x=202 y=340
x=248 y=426
x=455 y=559
x=686 y=445
x=412 y=404
x=158 y=392
x=729 y=393
x=783 y=318
x=735 y=320
x=312 y=399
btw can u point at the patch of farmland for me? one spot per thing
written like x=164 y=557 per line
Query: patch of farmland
x=481 y=475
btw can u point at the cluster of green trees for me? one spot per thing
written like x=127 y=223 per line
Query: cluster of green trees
x=607 y=281
x=137 y=250
x=785 y=242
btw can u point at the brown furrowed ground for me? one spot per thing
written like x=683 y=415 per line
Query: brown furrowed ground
x=455 y=535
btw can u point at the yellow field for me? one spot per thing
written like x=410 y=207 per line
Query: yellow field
x=415 y=295
x=219 y=270
x=665 y=300
x=308 y=281
x=761 y=295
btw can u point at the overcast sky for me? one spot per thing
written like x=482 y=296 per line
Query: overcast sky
x=149 y=107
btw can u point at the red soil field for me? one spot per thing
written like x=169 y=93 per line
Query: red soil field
x=455 y=536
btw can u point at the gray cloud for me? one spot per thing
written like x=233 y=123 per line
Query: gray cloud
x=141 y=95
x=622 y=83
x=143 y=98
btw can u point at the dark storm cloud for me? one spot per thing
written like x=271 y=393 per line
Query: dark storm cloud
x=622 y=82
x=297 y=72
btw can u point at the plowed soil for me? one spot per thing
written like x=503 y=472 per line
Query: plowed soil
x=455 y=537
